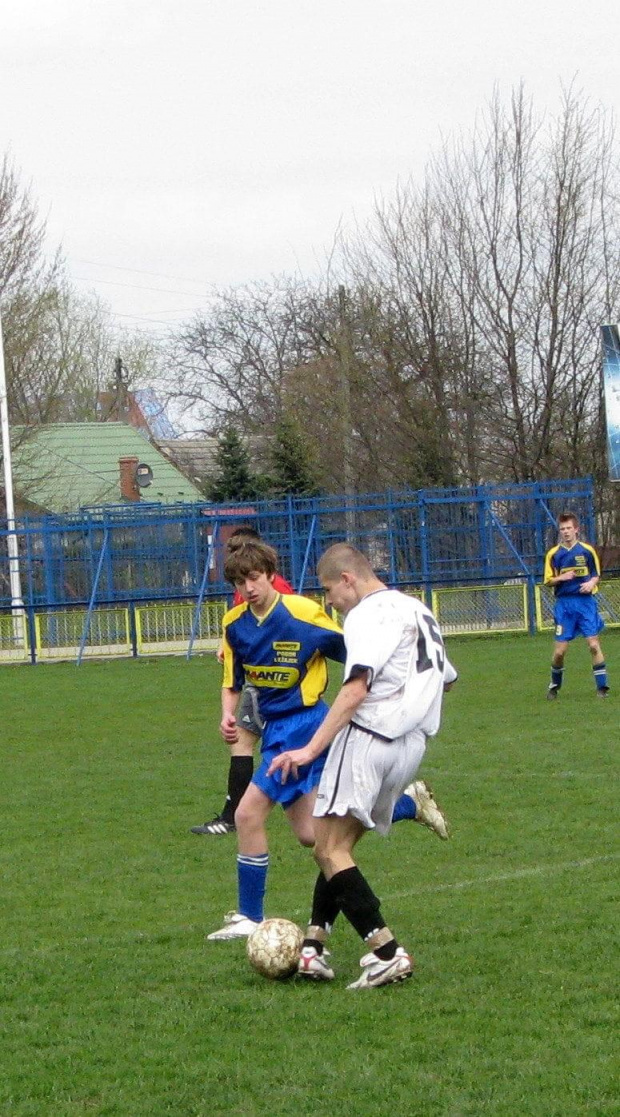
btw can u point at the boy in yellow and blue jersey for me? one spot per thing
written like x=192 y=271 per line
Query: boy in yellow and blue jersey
x=278 y=644
x=573 y=569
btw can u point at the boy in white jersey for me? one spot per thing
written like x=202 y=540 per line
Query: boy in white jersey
x=390 y=703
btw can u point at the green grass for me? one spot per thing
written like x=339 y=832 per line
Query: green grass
x=112 y=1003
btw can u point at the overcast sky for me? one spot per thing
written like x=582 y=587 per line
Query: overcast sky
x=177 y=144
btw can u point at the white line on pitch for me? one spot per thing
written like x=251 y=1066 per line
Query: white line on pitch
x=518 y=874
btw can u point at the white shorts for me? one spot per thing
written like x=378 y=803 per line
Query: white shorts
x=364 y=775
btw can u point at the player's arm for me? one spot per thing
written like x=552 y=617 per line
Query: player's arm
x=232 y=682
x=324 y=633
x=228 y=724
x=349 y=697
x=594 y=568
x=450 y=674
x=551 y=577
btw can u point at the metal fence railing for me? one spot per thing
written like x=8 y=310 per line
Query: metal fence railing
x=165 y=628
x=427 y=538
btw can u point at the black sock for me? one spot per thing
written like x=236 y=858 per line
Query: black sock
x=357 y=901
x=387 y=951
x=239 y=776
x=325 y=907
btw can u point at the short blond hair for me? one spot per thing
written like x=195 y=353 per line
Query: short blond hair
x=340 y=558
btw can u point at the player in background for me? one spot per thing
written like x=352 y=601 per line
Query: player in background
x=279 y=644
x=249 y=721
x=573 y=569
x=389 y=705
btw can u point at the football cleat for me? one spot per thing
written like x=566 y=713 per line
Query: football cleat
x=377 y=971
x=313 y=965
x=217 y=825
x=236 y=926
x=552 y=693
x=427 y=810
x=602 y=692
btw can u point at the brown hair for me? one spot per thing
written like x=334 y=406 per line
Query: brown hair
x=250 y=558
x=564 y=518
x=343 y=557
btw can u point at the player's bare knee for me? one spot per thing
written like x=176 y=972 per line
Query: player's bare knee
x=245 y=818
x=321 y=857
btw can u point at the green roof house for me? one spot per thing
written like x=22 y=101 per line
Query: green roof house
x=63 y=467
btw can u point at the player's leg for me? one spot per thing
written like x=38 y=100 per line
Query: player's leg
x=419 y=804
x=299 y=817
x=313 y=962
x=599 y=667
x=385 y=961
x=557 y=668
x=252 y=865
x=241 y=767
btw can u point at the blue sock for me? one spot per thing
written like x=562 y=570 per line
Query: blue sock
x=557 y=674
x=252 y=878
x=600 y=675
x=403 y=808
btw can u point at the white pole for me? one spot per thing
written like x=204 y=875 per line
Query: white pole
x=12 y=544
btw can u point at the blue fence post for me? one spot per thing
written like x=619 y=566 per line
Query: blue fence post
x=302 y=576
x=48 y=566
x=526 y=570
x=201 y=592
x=391 y=533
x=291 y=538
x=590 y=525
x=91 y=603
x=424 y=552
x=531 y=605
x=133 y=635
x=32 y=635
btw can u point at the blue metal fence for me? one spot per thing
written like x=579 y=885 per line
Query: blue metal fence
x=423 y=539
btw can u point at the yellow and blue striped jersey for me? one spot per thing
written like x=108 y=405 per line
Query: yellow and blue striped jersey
x=581 y=558
x=281 y=653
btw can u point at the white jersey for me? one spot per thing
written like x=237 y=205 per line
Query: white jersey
x=396 y=638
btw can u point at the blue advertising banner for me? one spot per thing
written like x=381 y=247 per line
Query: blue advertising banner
x=611 y=382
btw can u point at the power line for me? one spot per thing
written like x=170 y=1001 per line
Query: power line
x=137 y=286
x=137 y=271
x=147 y=318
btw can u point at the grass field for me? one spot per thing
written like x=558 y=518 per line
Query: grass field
x=113 y=1004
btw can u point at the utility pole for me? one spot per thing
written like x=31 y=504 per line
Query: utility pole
x=345 y=356
x=17 y=603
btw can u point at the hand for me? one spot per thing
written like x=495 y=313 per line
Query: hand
x=587 y=587
x=228 y=728
x=567 y=576
x=219 y=655
x=290 y=762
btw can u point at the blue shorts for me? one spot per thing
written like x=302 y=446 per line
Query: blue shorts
x=576 y=615
x=290 y=732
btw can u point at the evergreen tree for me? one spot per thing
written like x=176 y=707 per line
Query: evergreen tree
x=233 y=480
x=294 y=467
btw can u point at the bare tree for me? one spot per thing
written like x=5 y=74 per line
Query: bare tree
x=470 y=349
x=232 y=361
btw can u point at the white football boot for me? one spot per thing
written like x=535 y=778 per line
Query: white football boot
x=427 y=810
x=235 y=927
x=376 y=971
x=314 y=965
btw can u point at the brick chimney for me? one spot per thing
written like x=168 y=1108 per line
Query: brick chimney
x=127 y=469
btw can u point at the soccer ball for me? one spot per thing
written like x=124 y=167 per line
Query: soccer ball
x=273 y=948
